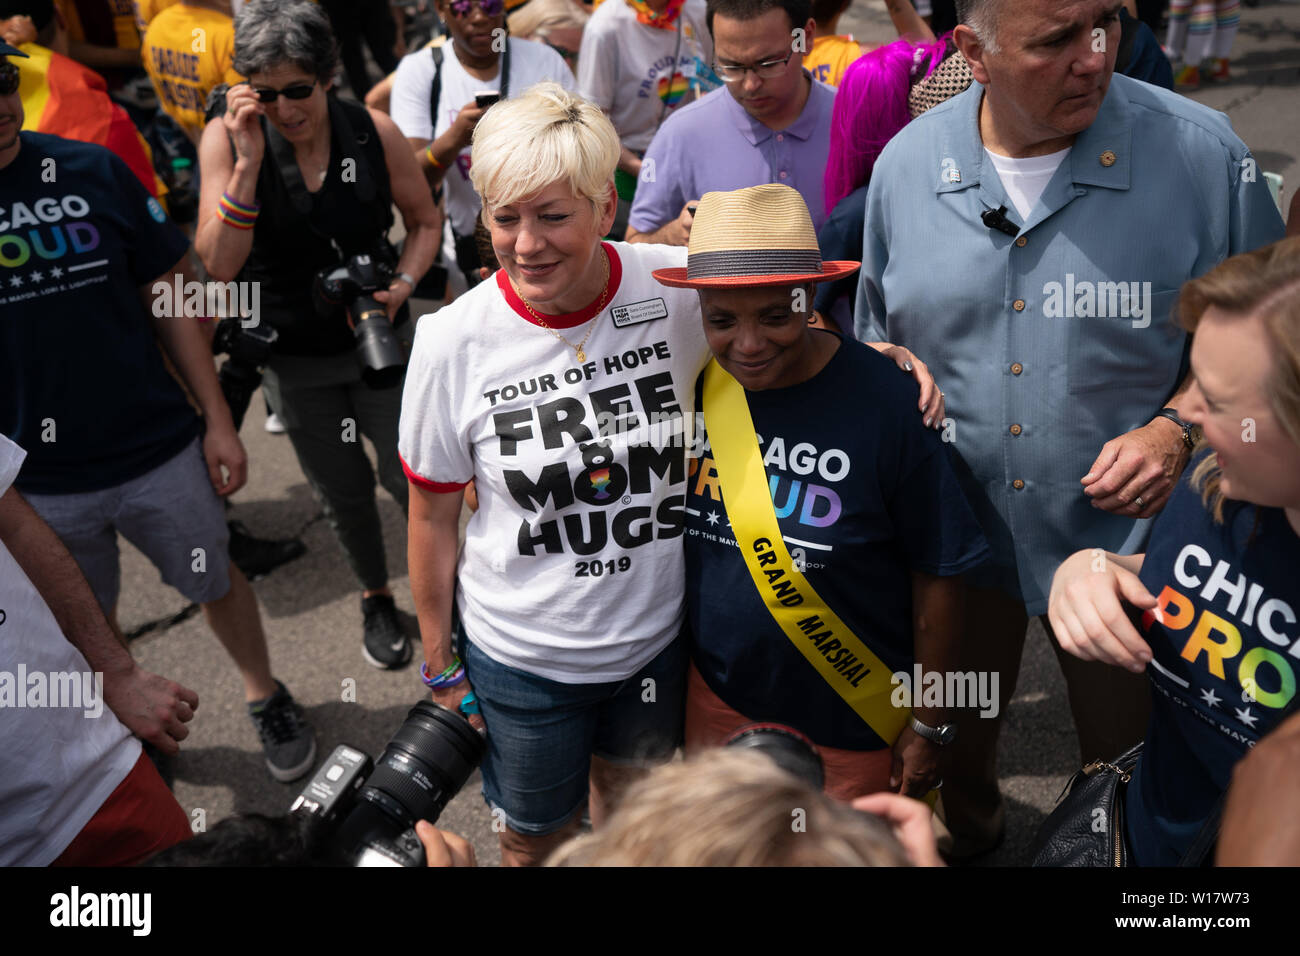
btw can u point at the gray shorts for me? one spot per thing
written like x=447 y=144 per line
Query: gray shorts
x=171 y=514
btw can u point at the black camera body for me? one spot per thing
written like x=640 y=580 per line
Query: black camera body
x=352 y=285
x=365 y=812
x=249 y=349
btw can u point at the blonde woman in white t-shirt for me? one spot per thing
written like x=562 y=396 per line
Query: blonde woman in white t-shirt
x=561 y=387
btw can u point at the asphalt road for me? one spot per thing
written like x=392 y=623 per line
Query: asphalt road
x=312 y=613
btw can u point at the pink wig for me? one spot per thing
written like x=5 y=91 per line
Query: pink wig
x=871 y=107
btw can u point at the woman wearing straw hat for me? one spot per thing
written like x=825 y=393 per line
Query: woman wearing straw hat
x=823 y=550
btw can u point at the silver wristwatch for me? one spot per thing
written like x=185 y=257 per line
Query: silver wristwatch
x=942 y=735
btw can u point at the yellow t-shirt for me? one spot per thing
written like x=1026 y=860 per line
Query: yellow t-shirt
x=122 y=12
x=830 y=56
x=187 y=51
x=146 y=10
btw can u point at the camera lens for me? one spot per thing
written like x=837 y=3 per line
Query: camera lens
x=425 y=764
x=785 y=746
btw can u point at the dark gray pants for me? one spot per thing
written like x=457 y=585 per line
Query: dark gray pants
x=326 y=408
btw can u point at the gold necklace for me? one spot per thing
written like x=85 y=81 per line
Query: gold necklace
x=600 y=307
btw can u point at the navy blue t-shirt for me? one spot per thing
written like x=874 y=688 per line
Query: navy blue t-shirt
x=83 y=387
x=864 y=495
x=1224 y=662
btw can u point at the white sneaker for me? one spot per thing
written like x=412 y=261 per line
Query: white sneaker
x=273 y=424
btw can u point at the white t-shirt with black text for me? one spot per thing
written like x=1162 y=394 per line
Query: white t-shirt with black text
x=530 y=63
x=573 y=565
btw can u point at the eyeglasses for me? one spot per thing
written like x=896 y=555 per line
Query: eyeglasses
x=299 y=91
x=8 y=79
x=767 y=70
x=490 y=8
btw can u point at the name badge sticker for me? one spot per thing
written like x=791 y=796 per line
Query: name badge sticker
x=645 y=311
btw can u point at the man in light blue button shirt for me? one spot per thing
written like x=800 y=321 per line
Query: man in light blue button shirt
x=1027 y=239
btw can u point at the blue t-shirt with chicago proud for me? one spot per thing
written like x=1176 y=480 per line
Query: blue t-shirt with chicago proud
x=864 y=495
x=1223 y=670
x=83 y=387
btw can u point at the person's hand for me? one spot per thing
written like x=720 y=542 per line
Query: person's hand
x=463 y=125
x=442 y=848
x=221 y=446
x=911 y=822
x=931 y=402
x=1087 y=617
x=1253 y=832
x=1136 y=472
x=243 y=123
x=678 y=232
x=398 y=291
x=18 y=30
x=916 y=769
x=153 y=708
x=450 y=697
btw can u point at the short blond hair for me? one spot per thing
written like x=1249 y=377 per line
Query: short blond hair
x=538 y=18
x=1264 y=282
x=731 y=808
x=547 y=135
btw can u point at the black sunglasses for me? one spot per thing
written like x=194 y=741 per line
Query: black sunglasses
x=8 y=79
x=299 y=91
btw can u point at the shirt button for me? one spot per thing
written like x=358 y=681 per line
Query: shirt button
x=780 y=138
x=1018 y=485
x=1018 y=305
x=1016 y=368
x=1021 y=242
x=784 y=174
x=1016 y=429
x=1107 y=158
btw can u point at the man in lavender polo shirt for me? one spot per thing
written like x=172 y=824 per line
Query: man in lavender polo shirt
x=771 y=124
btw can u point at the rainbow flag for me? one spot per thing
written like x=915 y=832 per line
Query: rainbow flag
x=62 y=97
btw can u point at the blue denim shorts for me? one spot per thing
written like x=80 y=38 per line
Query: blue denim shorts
x=541 y=734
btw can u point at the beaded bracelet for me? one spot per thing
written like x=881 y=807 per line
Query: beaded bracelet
x=428 y=153
x=453 y=675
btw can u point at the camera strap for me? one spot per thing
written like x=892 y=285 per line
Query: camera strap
x=859 y=677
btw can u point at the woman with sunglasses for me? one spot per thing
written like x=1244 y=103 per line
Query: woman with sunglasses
x=475 y=62
x=296 y=181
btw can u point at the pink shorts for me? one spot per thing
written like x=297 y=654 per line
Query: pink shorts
x=849 y=773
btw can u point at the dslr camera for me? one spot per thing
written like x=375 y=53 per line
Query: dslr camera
x=365 y=812
x=352 y=286
x=249 y=350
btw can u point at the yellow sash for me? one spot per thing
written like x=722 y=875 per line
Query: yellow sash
x=839 y=656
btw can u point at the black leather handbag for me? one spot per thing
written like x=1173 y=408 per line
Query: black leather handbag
x=1087 y=826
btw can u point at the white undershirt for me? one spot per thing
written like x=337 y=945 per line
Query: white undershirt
x=1025 y=179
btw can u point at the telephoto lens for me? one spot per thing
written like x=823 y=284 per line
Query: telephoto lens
x=426 y=763
x=785 y=746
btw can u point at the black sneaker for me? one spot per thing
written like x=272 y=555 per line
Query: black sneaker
x=258 y=557
x=385 y=644
x=287 y=739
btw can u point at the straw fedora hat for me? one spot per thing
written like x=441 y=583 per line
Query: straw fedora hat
x=758 y=236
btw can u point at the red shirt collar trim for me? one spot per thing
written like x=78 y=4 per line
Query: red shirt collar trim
x=571 y=319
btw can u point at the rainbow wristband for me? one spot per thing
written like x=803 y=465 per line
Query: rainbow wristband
x=234 y=213
x=428 y=154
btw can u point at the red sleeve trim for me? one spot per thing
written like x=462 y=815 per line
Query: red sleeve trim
x=438 y=487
